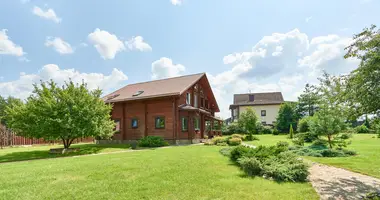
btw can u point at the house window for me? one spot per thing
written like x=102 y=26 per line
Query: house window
x=196 y=123
x=206 y=104
x=117 y=125
x=202 y=103
x=234 y=112
x=196 y=100
x=263 y=113
x=185 y=123
x=251 y=97
x=134 y=123
x=160 y=122
x=188 y=98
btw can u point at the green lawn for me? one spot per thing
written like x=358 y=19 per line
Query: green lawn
x=186 y=172
x=38 y=152
x=366 y=145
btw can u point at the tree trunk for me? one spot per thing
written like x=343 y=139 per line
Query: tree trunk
x=329 y=138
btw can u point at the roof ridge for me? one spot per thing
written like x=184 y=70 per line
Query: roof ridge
x=164 y=79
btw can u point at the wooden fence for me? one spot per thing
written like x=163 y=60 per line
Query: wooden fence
x=9 y=138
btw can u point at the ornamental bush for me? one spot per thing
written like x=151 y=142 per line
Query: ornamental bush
x=234 y=141
x=267 y=130
x=152 y=141
x=362 y=129
x=251 y=166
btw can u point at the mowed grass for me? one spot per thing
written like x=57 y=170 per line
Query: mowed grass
x=186 y=172
x=11 y=154
x=366 y=145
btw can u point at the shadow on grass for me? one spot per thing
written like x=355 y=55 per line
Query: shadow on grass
x=84 y=149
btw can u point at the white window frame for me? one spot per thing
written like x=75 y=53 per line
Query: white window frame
x=188 y=98
x=196 y=100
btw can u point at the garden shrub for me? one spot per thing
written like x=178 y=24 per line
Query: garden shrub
x=286 y=167
x=266 y=130
x=239 y=152
x=303 y=125
x=225 y=151
x=217 y=140
x=349 y=152
x=299 y=140
x=237 y=136
x=221 y=144
x=372 y=196
x=332 y=153
x=282 y=146
x=209 y=143
x=250 y=138
x=233 y=128
x=234 y=141
x=251 y=166
x=152 y=141
x=275 y=131
x=291 y=132
x=320 y=143
x=362 y=129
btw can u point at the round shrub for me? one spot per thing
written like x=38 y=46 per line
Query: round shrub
x=251 y=166
x=362 y=129
x=349 y=152
x=303 y=125
x=237 y=136
x=233 y=128
x=250 y=138
x=234 y=141
x=267 y=130
x=152 y=141
x=332 y=153
x=222 y=144
x=225 y=151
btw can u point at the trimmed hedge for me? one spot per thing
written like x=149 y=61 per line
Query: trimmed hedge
x=152 y=141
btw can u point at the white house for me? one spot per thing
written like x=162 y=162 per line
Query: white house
x=266 y=105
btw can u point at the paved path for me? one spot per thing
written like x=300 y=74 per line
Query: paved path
x=336 y=183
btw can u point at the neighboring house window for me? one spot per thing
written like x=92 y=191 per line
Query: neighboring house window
x=117 y=125
x=160 y=122
x=185 y=123
x=234 y=112
x=196 y=123
x=134 y=123
x=251 y=97
x=263 y=113
x=196 y=100
x=188 y=98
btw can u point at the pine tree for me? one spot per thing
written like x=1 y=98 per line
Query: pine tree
x=291 y=133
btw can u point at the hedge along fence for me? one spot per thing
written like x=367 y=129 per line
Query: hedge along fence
x=10 y=138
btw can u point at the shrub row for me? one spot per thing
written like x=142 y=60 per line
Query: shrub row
x=321 y=151
x=274 y=162
x=152 y=141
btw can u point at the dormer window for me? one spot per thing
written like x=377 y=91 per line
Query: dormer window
x=188 y=98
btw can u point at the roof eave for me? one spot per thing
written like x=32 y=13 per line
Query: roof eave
x=142 y=98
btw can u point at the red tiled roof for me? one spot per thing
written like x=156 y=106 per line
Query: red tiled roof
x=152 y=89
x=268 y=98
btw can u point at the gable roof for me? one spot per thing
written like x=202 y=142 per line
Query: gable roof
x=152 y=89
x=267 y=98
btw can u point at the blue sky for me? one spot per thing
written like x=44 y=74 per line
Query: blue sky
x=242 y=45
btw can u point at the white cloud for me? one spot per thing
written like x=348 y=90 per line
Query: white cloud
x=137 y=43
x=7 y=47
x=280 y=62
x=59 y=45
x=107 y=44
x=307 y=19
x=24 y=1
x=48 y=14
x=176 y=2
x=164 y=68
x=23 y=86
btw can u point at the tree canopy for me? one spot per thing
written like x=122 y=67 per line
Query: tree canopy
x=363 y=84
x=287 y=116
x=248 y=120
x=308 y=101
x=64 y=113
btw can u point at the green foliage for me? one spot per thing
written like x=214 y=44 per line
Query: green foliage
x=239 y=152
x=66 y=113
x=362 y=129
x=275 y=131
x=299 y=139
x=152 y=141
x=286 y=167
x=308 y=101
x=286 y=116
x=250 y=138
x=222 y=144
x=216 y=140
x=291 y=132
x=304 y=124
x=233 y=128
x=237 y=136
x=372 y=196
x=250 y=165
x=267 y=130
x=234 y=141
x=363 y=84
x=248 y=120
x=4 y=103
x=225 y=151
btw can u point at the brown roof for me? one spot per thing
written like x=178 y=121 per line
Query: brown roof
x=268 y=98
x=156 y=88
